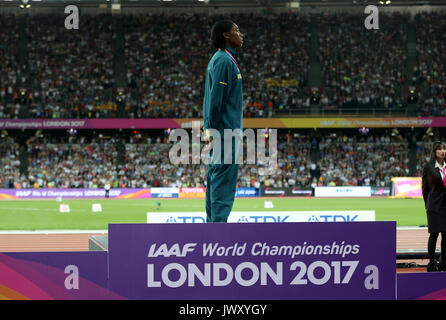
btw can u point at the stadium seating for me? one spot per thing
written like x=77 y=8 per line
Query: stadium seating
x=72 y=74
x=302 y=161
x=361 y=68
x=431 y=69
x=10 y=71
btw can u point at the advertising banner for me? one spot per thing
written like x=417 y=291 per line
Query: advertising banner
x=339 y=192
x=273 y=192
x=151 y=123
x=176 y=217
x=192 y=193
x=345 y=122
x=380 y=191
x=165 y=192
x=8 y=194
x=286 y=192
x=407 y=187
x=59 y=124
x=247 y=192
x=270 y=261
x=297 y=192
x=54 y=275
x=267 y=216
x=302 y=216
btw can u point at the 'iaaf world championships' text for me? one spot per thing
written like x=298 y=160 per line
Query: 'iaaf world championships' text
x=256 y=249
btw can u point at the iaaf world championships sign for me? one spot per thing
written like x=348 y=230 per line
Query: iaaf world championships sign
x=253 y=261
x=221 y=261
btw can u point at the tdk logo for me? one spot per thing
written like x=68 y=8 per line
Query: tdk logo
x=333 y=218
x=186 y=219
x=263 y=219
x=344 y=190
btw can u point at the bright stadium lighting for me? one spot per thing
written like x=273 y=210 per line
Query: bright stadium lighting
x=388 y=2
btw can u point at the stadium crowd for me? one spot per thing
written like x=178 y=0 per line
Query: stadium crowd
x=70 y=71
x=9 y=163
x=362 y=67
x=431 y=70
x=302 y=161
x=71 y=74
x=10 y=72
x=168 y=79
x=68 y=74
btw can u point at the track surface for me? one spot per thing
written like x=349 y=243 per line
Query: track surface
x=415 y=239
x=44 y=242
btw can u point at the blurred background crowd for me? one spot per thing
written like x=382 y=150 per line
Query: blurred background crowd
x=142 y=160
x=160 y=60
x=153 y=66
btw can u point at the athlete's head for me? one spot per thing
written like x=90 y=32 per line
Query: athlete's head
x=226 y=33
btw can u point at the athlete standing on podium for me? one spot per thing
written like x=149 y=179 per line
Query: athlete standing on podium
x=222 y=109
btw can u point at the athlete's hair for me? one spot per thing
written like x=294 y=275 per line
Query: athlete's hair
x=217 y=39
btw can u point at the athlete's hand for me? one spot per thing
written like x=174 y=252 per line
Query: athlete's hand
x=208 y=140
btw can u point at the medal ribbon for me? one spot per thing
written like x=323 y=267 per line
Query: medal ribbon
x=230 y=55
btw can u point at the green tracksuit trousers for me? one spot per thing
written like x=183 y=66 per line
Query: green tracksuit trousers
x=220 y=191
